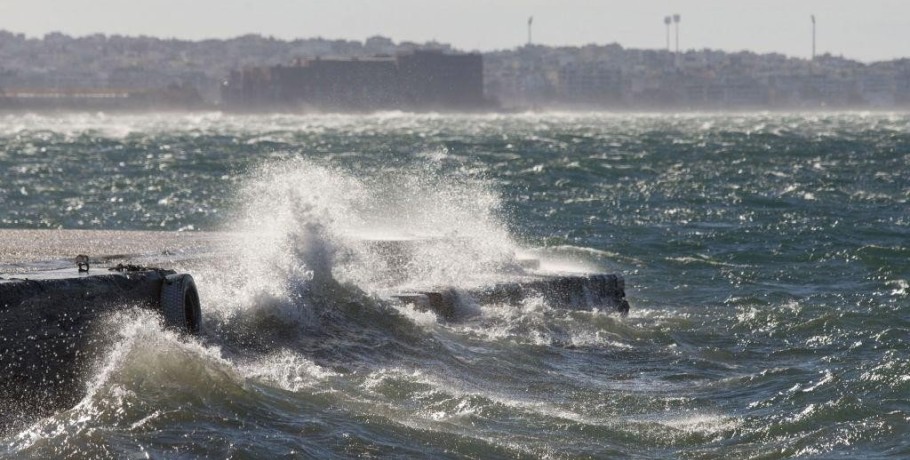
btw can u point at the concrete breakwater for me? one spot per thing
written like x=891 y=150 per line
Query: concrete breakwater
x=49 y=334
x=52 y=317
x=51 y=329
x=53 y=324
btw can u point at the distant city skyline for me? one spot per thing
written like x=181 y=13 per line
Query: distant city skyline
x=872 y=30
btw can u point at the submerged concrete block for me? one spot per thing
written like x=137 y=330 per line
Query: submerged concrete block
x=576 y=292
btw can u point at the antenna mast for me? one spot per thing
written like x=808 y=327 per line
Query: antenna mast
x=813 y=37
x=530 y=21
x=676 y=19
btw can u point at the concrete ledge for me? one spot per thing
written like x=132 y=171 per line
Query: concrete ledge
x=49 y=333
x=576 y=292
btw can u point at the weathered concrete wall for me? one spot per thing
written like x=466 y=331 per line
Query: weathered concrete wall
x=50 y=335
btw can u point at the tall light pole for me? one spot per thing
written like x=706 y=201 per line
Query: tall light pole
x=676 y=20
x=530 y=21
x=667 y=20
x=813 y=37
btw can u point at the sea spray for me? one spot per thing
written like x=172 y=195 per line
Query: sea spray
x=303 y=227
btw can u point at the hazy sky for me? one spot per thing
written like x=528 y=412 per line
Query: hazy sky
x=867 y=30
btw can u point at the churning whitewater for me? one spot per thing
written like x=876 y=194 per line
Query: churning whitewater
x=765 y=257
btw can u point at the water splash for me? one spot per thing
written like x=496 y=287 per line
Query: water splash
x=305 y=231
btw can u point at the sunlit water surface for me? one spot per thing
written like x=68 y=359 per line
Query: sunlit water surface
x=767 y=260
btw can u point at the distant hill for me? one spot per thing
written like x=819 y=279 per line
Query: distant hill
x=593 y=76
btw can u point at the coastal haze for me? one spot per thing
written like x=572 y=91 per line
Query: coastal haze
x=695 y=55
x=315 y=165
x=865 y=31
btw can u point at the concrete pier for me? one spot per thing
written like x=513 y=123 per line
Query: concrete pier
x=52 y=316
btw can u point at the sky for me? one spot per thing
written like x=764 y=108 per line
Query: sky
x=866 y=30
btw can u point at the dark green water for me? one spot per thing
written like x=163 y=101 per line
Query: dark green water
x=767 y=260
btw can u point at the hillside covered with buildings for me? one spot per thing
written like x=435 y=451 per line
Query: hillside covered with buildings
x=146 y=72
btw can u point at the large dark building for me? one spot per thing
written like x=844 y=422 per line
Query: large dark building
x=420 y=80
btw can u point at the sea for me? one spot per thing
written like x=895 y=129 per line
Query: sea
x=766 y=258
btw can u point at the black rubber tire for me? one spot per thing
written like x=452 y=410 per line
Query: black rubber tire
x=624 y=307
x=180 y=303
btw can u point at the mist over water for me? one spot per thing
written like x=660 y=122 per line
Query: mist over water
x=765 y=257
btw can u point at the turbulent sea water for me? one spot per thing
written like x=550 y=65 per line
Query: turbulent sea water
x=766 y=257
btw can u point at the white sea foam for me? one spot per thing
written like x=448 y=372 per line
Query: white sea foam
x=304 y=225
x=704 y=423
x=140 y=351
x=286 y=369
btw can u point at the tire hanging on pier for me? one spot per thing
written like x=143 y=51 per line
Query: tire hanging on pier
x=180 y=303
